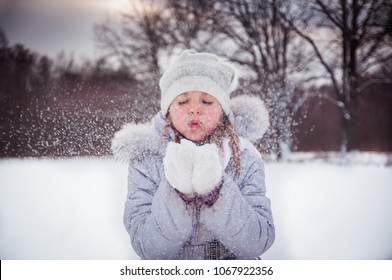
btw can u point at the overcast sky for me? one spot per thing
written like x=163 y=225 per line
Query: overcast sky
x=51 y=26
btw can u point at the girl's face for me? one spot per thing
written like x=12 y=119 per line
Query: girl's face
x=195 y=114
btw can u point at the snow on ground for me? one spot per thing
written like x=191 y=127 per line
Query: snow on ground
x=72 y=209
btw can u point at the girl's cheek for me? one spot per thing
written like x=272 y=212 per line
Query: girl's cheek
x=213 y=115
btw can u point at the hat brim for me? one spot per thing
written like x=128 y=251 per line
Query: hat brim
x=195 y=83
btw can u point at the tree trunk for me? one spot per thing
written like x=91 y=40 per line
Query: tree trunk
x=352 y=76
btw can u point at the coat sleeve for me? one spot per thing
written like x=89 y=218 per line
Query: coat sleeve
x=241 y=217
x=155 y=216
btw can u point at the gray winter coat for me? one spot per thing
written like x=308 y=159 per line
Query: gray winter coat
x=161 y=225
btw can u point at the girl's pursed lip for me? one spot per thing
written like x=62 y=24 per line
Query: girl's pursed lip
x=194 y=123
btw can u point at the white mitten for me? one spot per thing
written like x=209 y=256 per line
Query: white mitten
x=207 y=168
x=178 y=166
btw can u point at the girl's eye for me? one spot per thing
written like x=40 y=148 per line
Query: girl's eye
x=206 y=102
x=182 y=102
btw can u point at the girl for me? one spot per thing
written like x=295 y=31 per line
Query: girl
x=196 y=183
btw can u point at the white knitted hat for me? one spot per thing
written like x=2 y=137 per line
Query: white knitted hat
x=194 y=71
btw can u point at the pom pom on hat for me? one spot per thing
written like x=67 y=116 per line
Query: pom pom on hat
x=194 y=71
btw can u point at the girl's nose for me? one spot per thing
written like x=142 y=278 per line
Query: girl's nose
x=195 y=108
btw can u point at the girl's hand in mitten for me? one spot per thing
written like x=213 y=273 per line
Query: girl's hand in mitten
x=207 y=168
x=178 y=166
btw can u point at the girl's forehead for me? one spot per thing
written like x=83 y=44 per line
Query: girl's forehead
x=195 y=93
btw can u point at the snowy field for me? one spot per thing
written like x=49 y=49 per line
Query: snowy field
x=72 y=209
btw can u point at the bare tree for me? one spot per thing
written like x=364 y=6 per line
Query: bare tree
x=351 y=39
x=191 y=24
x=137 y=37
x=152 y=29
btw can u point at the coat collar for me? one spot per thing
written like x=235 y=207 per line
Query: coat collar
x=134 y=141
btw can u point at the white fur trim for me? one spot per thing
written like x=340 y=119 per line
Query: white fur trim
x=251 y=116
x=133 y=140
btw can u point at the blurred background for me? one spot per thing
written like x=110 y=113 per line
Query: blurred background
x=73 y=72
